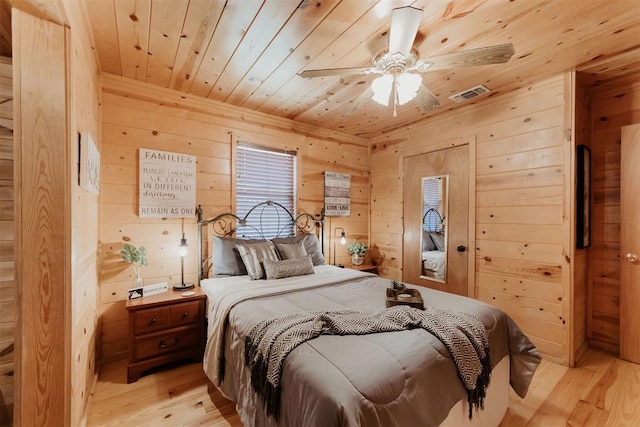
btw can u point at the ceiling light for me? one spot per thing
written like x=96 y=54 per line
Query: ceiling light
x=382 y=89
x=404 y=87
x=407 y=86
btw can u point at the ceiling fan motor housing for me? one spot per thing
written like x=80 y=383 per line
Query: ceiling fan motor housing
x=395 y=63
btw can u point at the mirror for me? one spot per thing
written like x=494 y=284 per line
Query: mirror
x=434 y=228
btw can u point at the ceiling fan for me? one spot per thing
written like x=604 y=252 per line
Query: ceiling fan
x=399 y=64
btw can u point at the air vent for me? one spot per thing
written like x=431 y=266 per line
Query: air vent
x=470 y=93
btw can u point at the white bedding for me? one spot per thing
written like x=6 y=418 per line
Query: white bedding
x=434 y=261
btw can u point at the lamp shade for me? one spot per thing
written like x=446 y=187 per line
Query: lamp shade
x=406 y=86
x=382 y=89
x=182 y=251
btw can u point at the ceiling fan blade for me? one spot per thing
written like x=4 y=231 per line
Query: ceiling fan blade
x=467 y=58
x=336 y=72
x=357 y=103
x=426 y=99
x=404 y=27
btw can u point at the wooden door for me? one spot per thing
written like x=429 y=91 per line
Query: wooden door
x=453 y=162
x=630 y=244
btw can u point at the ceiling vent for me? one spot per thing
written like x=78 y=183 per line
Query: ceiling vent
x=470 y=93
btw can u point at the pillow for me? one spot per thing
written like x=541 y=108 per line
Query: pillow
x=291 y=250
x=253 y=254
x=438 y=240
x=226 y=258
x=427 y=243
x=288 y=267
x=311 y=245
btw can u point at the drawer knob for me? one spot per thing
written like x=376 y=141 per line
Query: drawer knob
x=154 y=321
x=185 y=315
x=164 y=344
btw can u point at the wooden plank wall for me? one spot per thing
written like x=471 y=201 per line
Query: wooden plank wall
x=42 y=193
x=523 y=187
x=581 y=257
x=614 y=104
x=139 y=115
x=84 y=116
x=7 y=253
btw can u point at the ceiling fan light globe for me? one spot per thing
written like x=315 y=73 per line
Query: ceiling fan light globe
x=407 y=86
x=381 y=88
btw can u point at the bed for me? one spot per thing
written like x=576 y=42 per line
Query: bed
x=433 y=256
x=405 y=377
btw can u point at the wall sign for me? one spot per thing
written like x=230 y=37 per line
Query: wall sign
x=89 y=171
x=167 y=184
x=337 y=194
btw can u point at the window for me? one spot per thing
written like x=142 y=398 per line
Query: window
x=265 y=174
x=432 y=195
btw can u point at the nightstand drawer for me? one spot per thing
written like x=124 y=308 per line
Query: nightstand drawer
x=150 y=319
x=185 y=313
x=166 y=341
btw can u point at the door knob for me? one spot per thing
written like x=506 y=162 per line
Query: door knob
x=461 y=248
x=631 y=257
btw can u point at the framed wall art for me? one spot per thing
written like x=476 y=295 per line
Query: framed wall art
x=89 y=167
x=337 y=194
x=583 y=197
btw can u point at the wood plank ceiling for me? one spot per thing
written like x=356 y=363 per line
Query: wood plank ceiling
x=249 y=52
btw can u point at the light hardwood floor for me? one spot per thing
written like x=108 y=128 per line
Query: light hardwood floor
x=601 y=391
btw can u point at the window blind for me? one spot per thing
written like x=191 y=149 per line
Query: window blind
x=265 y=174
x=432 y=198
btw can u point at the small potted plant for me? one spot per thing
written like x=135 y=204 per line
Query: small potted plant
x=357 y=251
x=137 y=257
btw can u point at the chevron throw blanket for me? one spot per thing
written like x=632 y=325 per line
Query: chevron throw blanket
x=464 y=335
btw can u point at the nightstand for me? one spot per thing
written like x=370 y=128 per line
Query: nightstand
x=164 y=328
x=369 y=268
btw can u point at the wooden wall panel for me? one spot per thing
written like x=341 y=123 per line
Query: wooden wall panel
x=581 y=276
x=84 y=116
x=7 y=252
x=137 y=115
x=613 y=104
x=521 y=198
x=43 y=219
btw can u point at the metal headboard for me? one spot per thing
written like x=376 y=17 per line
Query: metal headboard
x=229 y=224
x=432 y=217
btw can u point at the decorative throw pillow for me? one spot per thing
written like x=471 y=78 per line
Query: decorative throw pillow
x=438 y=240
x=253 y=254
x=288 y=267
x=226 y=259
x=311 y=245
x=291 y=250
x=427 y=243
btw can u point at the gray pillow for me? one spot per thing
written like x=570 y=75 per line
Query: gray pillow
x=438 y=240
x=226 y=259
x=253 y=254
x=291 y=250
x=311 y=245
x=288 y=267
x=427 y=243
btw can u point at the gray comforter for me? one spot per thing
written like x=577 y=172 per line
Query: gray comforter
x=391 y=379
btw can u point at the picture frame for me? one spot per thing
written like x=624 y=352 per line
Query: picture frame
x=89 y=165
x=583 y=197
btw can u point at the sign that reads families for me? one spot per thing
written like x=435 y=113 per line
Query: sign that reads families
x=337 y=194
x=167 y=184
